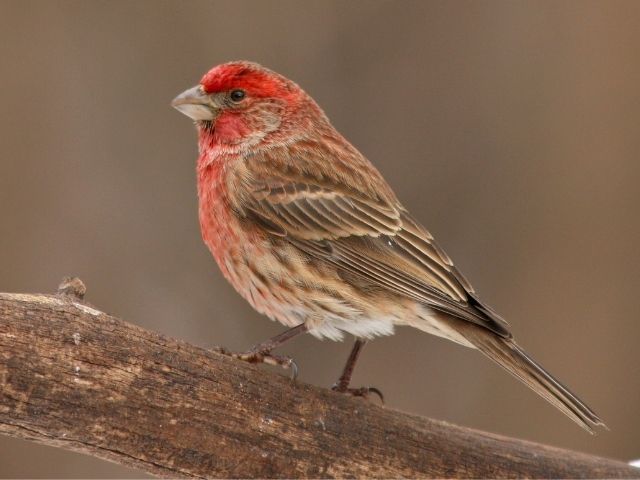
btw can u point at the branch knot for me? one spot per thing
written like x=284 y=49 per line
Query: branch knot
x=72 y=287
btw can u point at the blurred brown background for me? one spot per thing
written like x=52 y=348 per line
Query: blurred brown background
x=510 y=128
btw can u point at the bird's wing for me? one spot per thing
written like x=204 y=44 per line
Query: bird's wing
x=350 y=218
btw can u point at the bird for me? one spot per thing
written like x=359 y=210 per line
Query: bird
x=308 y=231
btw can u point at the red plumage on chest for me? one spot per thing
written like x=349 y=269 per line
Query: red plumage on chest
x=217 y=221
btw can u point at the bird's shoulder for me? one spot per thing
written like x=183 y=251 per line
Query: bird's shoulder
x=320 y=161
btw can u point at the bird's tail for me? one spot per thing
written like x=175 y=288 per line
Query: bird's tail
x=506 y=353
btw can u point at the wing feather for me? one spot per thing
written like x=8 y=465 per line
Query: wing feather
x=364 y=231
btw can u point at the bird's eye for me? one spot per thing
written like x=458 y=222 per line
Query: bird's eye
x=237 y=95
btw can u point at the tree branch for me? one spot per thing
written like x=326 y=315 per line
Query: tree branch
x=77 y=378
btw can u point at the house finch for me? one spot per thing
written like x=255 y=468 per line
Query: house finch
x=309 y=233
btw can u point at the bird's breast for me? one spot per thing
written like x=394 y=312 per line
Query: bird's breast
x=218 y=224
x=233 y=241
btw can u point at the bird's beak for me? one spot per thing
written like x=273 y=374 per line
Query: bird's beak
x=196 y=104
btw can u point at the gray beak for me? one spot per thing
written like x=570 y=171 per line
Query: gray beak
x=194 y=103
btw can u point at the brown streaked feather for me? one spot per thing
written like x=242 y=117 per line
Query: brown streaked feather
x=507 y=354
x=359 y=229
x=355 y=255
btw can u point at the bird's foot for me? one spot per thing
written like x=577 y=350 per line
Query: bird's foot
x=262 y=356
x=363 y=392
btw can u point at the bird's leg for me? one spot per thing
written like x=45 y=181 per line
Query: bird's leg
x=261 y=353
x=342 y=385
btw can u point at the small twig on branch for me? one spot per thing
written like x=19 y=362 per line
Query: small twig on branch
x=74 y=377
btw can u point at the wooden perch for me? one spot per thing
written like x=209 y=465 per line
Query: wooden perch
x=74 y=377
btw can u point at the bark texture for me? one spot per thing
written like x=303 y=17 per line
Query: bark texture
x=74 y=377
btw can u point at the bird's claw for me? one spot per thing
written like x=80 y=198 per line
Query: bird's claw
x=363 y=392
x=271 y=359
x=257 y=356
